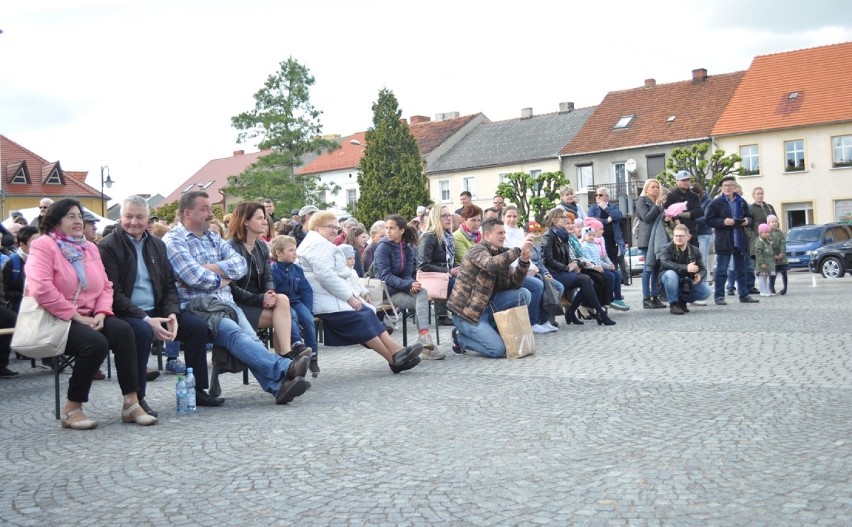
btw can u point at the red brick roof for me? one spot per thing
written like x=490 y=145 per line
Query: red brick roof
x=431 y=134
x=819 y=76
x=214 y=175
x=13 y=156
x=694 y=104
x=347 y=156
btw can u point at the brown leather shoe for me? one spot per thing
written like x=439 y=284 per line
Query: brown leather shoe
x=99 y=375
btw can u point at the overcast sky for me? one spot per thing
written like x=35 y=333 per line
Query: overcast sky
x=148 y=87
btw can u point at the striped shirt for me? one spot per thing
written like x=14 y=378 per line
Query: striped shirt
x=188 y=253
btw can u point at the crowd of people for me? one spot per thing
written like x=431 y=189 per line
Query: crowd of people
x=199 y=283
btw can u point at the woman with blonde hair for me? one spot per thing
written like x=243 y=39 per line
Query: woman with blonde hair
x=648 y=208
x=436 y=252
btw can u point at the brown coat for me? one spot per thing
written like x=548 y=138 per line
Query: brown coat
x=485 y=269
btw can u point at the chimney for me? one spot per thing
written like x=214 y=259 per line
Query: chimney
x=650 y=83
x=699 y=75
x=526 y=113
x=402 y=120
x=238 y=153
x=566 y=107
x=417 y=119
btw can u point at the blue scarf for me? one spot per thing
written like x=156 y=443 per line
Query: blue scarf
x=72 y=250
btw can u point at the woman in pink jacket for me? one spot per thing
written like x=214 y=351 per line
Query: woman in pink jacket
x=62 y=265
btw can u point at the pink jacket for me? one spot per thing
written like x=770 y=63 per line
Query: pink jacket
x=52 y=281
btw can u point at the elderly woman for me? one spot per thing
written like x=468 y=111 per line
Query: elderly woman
x=561 y=257
x=436 y=253
x=648 y=208
x=66 y=277
x=569 y=203
x=345 y=320
x=610 y=216
x=395 y=263
x=255 y=292
x=377 y=232
x=468 y=232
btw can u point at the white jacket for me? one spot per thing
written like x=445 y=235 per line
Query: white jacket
x=323 y=263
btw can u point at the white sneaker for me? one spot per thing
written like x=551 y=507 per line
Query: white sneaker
x=425 y=340
x=538 y=329
x=699 y=303
x=549 y=327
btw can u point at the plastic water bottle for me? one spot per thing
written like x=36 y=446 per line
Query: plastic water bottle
x=190 y=391
x=181 y=396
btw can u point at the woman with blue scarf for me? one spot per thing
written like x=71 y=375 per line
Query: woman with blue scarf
x=66 y=277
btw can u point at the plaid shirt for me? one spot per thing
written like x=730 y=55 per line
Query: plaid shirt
x=187 y=253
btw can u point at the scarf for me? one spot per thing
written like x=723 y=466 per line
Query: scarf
x=450 y=249
x=72 y=250
x=475 y=236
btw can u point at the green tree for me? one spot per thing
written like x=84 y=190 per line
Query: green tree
x=708 y=172
x=390 y=175
x=533 y=196
x=285 y=121
x=167 y=212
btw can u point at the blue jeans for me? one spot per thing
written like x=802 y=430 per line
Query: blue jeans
x=482 y=338
x=650 y=277
x=671 y=282
x=536 y=289
x=613 y=282
x=302 y=316
x=192 y=330
x=704 y=241
x=241 y=341
x=739 y=263
x=172 y=350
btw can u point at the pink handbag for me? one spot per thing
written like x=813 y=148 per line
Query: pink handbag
x=436 y=284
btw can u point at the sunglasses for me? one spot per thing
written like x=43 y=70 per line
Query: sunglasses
x=43 y=208
x=600 y=195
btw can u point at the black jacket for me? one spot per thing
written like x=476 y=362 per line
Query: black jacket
x=431 y=255
x=251 y=288
x=670 y=259
x=729 y=237
x=119 y=258
x=693 y=207
x=555 y=252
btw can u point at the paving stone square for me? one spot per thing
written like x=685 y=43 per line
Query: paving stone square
x=734 y=415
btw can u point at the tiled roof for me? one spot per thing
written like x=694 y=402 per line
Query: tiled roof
x=819 y=76
x=429 y=135
x=347 y=156
x=214 y=175
x=513 y=141
x=663 y=113
x=13 y=155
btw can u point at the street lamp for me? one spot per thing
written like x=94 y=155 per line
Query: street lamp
x=108 y=183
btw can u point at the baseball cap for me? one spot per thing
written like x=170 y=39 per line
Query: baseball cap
x=307 y=209
x=17 y=214
x=89 y=217
x=294 y=212
x=683 y=174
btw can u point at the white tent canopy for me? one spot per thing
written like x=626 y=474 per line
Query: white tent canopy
x=32 y=212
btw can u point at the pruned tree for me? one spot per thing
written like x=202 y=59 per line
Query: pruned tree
x=533 y=196
x=694 y=160
x=390 y=175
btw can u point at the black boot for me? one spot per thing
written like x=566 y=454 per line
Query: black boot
x=784 y=280
x=571 y=312
x=603 y=319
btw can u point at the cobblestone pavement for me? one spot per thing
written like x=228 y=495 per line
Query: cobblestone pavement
x=736 y=415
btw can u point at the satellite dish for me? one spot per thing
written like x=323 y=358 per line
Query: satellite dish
x=630 y=165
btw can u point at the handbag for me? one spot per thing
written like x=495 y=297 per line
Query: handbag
x=513 y=324
x=550 y=300
x=379 y=295
x=39 y=334
x=435 y=283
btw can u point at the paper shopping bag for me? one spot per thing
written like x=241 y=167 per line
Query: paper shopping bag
x=513 y=324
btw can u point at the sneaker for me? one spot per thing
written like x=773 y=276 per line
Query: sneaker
x=549 y=327
x=675 y=309
x=176 y=366
x=658 y=304
x=731 y=292
x=620 y=305
x=457 y=349
x=431 y=354
x=6 y=373
x=647 y=303
x=552 y=321
x=313 y=366
x=426 y=341
x=721 y=302
x=538 y=329
x=748 y=300
x=753 y=291
x=699 y=303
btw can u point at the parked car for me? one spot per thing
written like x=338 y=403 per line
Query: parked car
x=802 y=241
x=636 y=261
x=832 y=261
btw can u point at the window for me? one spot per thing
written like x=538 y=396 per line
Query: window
x=751 y=159
x=188 y=188
x=843 y=210
x=794 y=153
x=444 y=190
x=350 y=197
x=624 y=122
x=585 y=177
x=53 y=178
x=656 y=164
x=205 y=185
x=501 y=177
x=535 y=173
x=469 y=184
x=620 y=175
x=841 y=147
x=20 y=176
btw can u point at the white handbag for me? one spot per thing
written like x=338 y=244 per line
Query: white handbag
x=39 y=334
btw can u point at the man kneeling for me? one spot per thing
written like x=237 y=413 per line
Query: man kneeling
x=682 y=272
x=485 y=284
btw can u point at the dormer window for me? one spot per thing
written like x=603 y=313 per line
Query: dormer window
x=20 y=176
x=205 y=185
x=187 y=189
x=53 y=178
x=624 y=122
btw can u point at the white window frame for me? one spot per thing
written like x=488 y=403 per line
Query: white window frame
x=351 y=196
x=583 y=182
x=624 y=122
x=188 y=188
x=53 y=178
x=444 y=188
x=469 y=184
x=841 y=151
x=501 y=177
x=750 y=159
x=20 y=177
x=791 y=147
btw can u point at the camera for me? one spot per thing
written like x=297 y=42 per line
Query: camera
x=686 y=285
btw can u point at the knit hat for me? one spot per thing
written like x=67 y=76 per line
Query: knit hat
x=587 y=231
x=771 y=217
x=762 y=228
x=593 y=222
x=348 y=250
x=578 y=222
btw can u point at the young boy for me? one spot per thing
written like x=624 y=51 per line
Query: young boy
x=764 y=259
x=778 y=239
x=290 y=280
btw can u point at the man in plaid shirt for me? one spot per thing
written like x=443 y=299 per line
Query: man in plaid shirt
x=204 y=266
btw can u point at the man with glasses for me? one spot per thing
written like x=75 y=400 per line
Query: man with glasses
x=499 y=203
x=682 y=272
x=305 y=214
x=730 y=216
x=43 y=205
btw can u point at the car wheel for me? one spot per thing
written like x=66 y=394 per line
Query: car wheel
x=832 y=267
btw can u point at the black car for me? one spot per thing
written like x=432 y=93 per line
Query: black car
x=832 y=261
